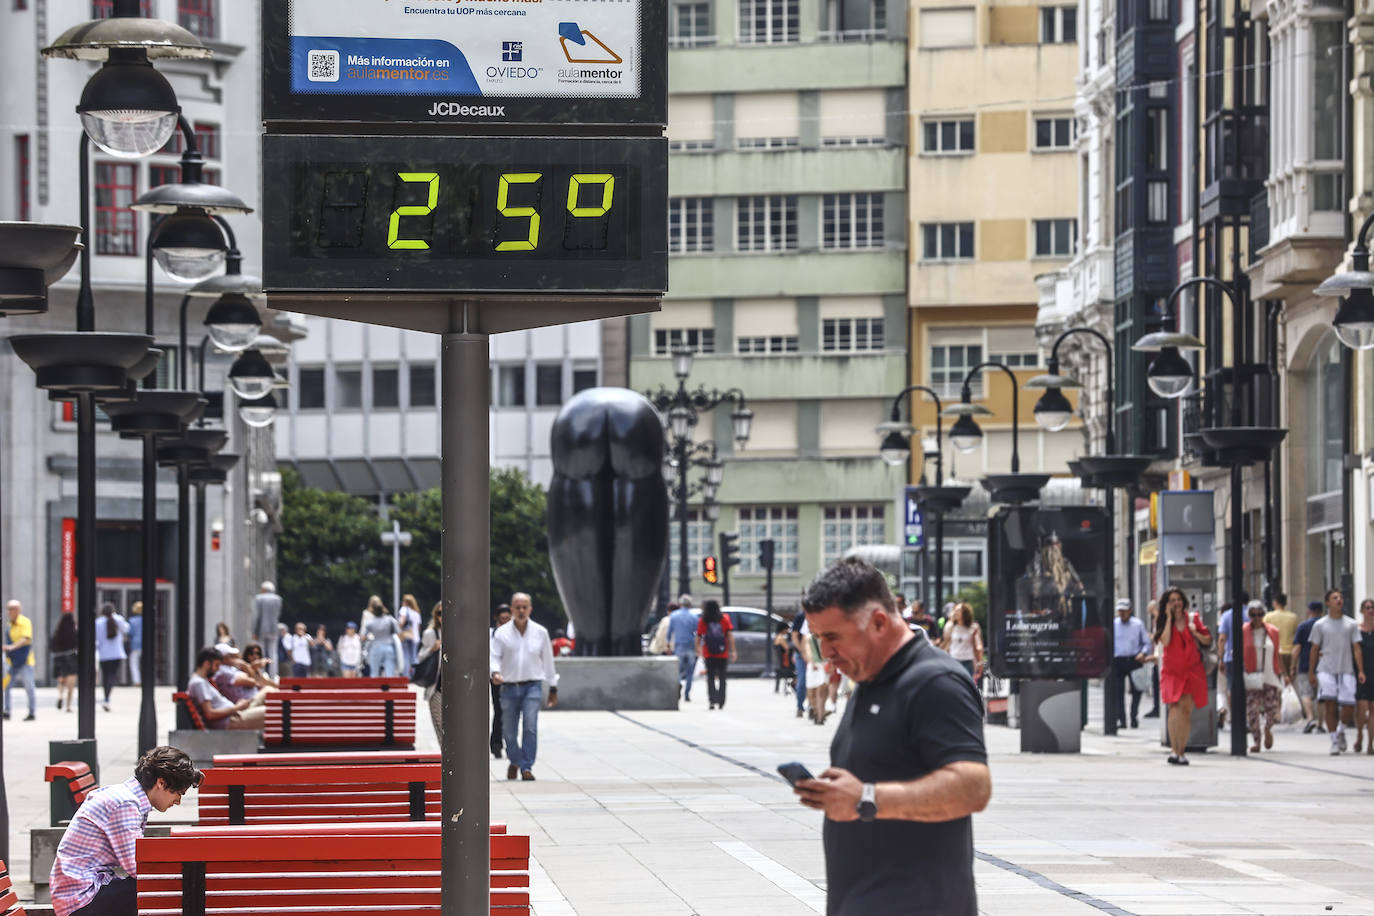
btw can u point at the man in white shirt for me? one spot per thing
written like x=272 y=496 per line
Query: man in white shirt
x=521 y=661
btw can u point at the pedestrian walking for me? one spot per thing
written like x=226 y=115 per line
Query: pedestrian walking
x=1264 y=674
x=817 y=683
x=136 y=643
x=64 y=661
x=266 y=620
x=1337 y=667
x=380 y=632
x=908 y=766
x=430 y=641
x=1152 y=609
x=521 y=663
x=298 y=646
x=963 y=640
x=1225 y=652
x=499 y=619
x=19 y=657
x=1181 y=635
x=109 y=644
x=715 y=643
x=1302 y=684
x=350 y=650
x=411 y=622
x=1286 y=622
x=1131 y=646
x=324 y=662
x=95 y=871
x=681 y=637
x=1364 y=693
x=798 y=635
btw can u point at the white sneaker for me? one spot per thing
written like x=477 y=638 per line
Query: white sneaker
x=1335 y=750
x=1340 y=735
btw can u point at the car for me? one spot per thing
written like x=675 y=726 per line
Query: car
x=754 y=629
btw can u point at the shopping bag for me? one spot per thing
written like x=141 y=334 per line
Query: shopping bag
x=1290 y=707
x=1140 y=679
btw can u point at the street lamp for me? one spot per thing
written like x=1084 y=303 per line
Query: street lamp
x=260 y=412
x=396 y=539
x=1354 y=321
x=682 y=408
x=251 y=377
x=1014 y=488
x=233 y=320
x=939 y=499
x=1236 y=445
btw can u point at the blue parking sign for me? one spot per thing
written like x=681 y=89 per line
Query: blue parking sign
x=913 y=525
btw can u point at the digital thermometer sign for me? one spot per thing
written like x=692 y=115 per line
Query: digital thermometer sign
x=487 y=214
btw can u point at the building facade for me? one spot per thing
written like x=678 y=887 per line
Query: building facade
x=787 y=233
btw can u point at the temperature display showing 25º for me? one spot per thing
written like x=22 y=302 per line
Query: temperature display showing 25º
x=416 y=211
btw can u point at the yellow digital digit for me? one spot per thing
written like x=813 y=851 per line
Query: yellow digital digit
x=394 y=228
x=503 y=195
x=575 y=184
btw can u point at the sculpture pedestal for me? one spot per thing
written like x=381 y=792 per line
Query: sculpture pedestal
x=1051 y=721
x=625 y=682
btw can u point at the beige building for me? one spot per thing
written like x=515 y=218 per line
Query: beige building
x=994 y=191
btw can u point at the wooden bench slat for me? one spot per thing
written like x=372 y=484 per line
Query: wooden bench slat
x=219 y=776
x=344 y=683
x=328 y=758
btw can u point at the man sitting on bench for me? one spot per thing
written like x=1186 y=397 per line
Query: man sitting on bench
x=94 y=871
x=218 y=710
x=238 y=680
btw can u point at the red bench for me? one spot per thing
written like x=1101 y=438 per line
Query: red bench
x=192 y=710
x=384 y=792
x=314 y=870
x=340 y=719
x=344 y=683
x=9 y=900
x=329 y=758
x=72 y=781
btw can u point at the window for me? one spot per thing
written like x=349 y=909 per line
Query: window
x=767 y=223
x=116 y=225
x=844 y=527
x=310 y=388
x=207 y=139
x=840 y=335
x=948 y=28
x=760 y=143
x=421 y=385
x=386 y=387
x=510 y=386
x=946 y=241
x=1058 y=25
x=850 y=21
x=759 y=523
x=197 y=17
x=348 y=389
x=698 y=542
x=548 y=384
x=698 y=340
x=159 y=175
x=103 y=9
x=852 y=221
x=21 y=175
x=691 y=146
x=583 y=377
x=786 y=343
x=1055 y=133
x=947 y=137
x=963 y=563
x=853 y=141
x=948 y=366
x=693 y=22
x=769 y=22
x=1055 y=238
x=1159 y=11
x=1027 y=360
x=690 y=224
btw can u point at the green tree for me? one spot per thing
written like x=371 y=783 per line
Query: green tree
x=330 y=557
x=520 y=545
x=976 y=594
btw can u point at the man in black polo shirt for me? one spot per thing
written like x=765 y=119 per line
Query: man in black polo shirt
x=908 y=764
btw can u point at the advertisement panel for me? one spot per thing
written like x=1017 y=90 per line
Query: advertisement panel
x=1047 y=591
x=510 y=61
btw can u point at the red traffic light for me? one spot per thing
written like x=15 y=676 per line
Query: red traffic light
x=709 y=571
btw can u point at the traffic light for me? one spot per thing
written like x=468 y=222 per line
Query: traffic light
x=729 y=550
x=708 y=570
x=766 y=553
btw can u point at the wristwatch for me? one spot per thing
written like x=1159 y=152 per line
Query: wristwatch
x=868 y=803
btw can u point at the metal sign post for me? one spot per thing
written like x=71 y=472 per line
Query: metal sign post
x=465 y=169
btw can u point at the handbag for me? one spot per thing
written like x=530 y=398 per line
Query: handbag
x=426 y=673
x=19 y=657
x=1208 y=654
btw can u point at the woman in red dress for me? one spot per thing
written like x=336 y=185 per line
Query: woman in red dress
x=1182 y=678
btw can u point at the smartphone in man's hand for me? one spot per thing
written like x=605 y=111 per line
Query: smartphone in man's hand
x=794 y=773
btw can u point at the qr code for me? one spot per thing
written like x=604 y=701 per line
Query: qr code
x=324 y=66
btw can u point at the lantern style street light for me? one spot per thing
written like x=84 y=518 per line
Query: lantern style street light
x=1354 y=321
x=1014 y=488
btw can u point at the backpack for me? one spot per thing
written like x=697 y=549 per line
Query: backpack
x=715 y=639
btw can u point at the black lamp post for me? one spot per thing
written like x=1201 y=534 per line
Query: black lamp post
x=33 y=256
x=681 y=408
x=1236 y=445
x=1053 y=412
x=1014 y=488
x=939 y=499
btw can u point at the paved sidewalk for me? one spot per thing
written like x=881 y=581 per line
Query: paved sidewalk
x=681 y=813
